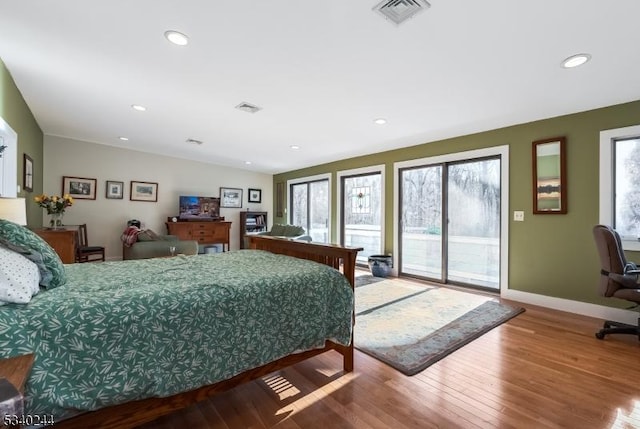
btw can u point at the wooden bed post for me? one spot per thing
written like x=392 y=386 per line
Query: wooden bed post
x=328 y=254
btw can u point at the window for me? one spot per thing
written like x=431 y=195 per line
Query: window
x=361 y=200
x=8 y=161
x=619 y=182
x=430 y=237
x=309 y=200
x=450 y=225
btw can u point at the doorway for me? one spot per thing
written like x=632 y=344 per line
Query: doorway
x=450 y=223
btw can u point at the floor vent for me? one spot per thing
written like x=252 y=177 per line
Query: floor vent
x=399 y=11
x=248 y=107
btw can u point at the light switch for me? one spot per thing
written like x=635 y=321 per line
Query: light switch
x=518 y=215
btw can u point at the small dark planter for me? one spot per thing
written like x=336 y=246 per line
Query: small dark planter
x=380 y=265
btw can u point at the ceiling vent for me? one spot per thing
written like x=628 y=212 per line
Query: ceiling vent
x=399 y=11
x=248 y=107
x=194 y=141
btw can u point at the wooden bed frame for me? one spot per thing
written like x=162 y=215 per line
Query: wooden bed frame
x=131 y=414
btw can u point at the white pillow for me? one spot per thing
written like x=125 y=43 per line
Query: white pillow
x=19 y=278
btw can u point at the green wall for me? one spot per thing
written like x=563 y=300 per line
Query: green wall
x=549 y=254
x=14 y=110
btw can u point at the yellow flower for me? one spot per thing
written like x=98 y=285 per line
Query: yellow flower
x=54 y=203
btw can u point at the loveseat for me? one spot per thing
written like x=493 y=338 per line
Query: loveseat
x=289 y=231
x=155 y=246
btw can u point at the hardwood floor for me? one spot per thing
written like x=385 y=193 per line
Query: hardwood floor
x=542 y=369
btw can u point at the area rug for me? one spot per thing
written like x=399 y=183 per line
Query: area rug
x=411 y=326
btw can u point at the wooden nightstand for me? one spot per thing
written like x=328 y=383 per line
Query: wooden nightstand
x=16 y=371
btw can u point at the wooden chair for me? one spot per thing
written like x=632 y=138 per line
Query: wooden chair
x=84 y=252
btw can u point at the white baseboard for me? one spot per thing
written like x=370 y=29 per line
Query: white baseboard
x=583 y=308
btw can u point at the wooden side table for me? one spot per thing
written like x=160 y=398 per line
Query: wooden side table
x=16 y=370
x=63 y=242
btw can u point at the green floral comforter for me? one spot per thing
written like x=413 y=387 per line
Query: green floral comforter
x=121 y=331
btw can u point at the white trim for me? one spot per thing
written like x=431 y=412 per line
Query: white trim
x=503 y=152
x=8 y=161
x=358 y=171
x=316 y=178
x=577 y=307
x=607 y=138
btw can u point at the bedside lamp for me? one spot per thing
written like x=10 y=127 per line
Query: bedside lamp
x=13 y=210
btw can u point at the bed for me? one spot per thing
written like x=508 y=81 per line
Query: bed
x=134 y=340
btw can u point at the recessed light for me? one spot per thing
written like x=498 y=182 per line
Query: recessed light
x=176 y=37
x=294 y=147
x=138 y=107
x=575 y=60
x=124 y=139
x=248 y=162
x=380 y=121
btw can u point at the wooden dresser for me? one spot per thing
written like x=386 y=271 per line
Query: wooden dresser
x=216 y=232
x=63 y=242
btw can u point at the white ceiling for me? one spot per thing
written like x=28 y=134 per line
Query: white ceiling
x=322 y=72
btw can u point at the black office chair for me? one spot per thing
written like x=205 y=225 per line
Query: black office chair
x=618 y=278
x=84 y=252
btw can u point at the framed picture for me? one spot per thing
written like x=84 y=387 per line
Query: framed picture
x=231 y=197
x=549 y=176
x=80 y=188
x=143 y=191
x=255 y=196
x=114 y=190
x=27 y=169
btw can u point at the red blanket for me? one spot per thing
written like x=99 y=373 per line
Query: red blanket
x=130 y=235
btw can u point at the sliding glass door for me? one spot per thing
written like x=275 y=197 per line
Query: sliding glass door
x=450 y=223
x=310 y=208
x=421 y=221
x=473 y=211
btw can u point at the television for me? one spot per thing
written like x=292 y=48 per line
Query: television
x=199 y=208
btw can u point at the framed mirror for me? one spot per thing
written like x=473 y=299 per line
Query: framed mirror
x=549 y=176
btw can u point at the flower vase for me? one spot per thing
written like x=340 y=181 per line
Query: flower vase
x=55 y=222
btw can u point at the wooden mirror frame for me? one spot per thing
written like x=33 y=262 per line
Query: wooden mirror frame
x=554 y=182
